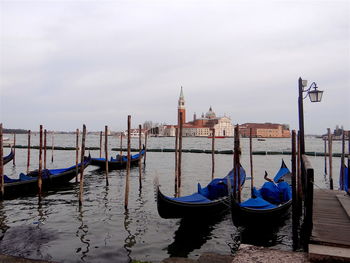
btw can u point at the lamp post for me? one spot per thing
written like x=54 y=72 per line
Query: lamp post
x=315 y=95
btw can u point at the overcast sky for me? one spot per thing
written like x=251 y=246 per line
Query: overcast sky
x=65 y=63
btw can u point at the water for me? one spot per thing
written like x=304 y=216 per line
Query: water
x=102 y=231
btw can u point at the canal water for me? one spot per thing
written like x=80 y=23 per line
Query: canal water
x=103 y=231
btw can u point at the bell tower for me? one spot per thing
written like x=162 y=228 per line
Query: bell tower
x=181 y=108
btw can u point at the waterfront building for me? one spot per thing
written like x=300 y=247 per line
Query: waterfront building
x=265 y=130
x=134 y=133
x=200 y=127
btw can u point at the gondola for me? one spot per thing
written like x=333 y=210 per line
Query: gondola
x=210 y=201
x=27 y=184
x=8 y=157
x=344 y=180
x=119 y=162
x=269 y=205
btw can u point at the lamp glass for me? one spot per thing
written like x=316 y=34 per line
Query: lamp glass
x=315 y=95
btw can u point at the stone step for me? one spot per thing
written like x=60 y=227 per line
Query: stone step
x=322 y=253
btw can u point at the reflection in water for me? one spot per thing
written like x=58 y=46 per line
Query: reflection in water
x=267 y=236
x=81 y=233
x=141 y=224
x=41 y=215
x=129 y=241
x=191 y=235
x=105 y=202
x=26 y=239
x=258 y=237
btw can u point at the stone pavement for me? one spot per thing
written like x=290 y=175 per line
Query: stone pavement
x=247 y=254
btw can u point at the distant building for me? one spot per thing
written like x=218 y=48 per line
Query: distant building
x=134 y=133
x=265 y=130
x=201 y=127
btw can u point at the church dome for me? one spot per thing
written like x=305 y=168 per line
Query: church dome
x=210 y=114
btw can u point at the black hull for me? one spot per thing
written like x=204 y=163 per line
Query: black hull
x=8 y=158
x=243 y=216
x=115 y=165
x=168 y=208
x=27 y=188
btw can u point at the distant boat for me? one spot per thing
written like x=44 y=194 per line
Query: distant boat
x=261 y=140
x=119 y=162
x=217 y=137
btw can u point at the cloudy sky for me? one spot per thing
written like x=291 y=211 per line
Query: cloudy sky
x=65 y=63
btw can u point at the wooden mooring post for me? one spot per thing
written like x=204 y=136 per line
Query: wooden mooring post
x=295 y=213
x=14 y=149
x=325 y=156
x=176 y=160
x=140 y=160
x=308 y=199
x=40 y=182
x=299 y=181
x=238 y=161
x=127 y=178
x=76 y=155
x=251 y=161
x=236 y=166
x=2 y=186
x=28 y=152
x=179 y=156
x=121 y=144
x=342 y=162
x=144 y=157
x=100 y=144
x=213 y=154
x=330 y=159
x=106 y=153
x=53 y=144
x=81 y=189
x=45 y=134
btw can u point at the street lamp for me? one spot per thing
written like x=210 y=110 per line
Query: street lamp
x=315 y=95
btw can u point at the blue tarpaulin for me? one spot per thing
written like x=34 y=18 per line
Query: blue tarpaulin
x=193 y=198
x=257 y=203
x=271 y=194
x=344 y=182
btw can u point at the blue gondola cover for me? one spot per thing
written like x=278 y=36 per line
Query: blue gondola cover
x=257 y=203
x=193 y=198
x=344 y=182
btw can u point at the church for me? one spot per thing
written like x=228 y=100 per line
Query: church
x=200 y=127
